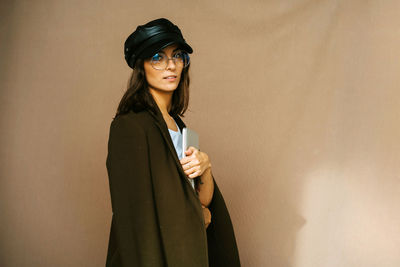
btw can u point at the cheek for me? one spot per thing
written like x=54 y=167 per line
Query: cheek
x=180 y=75
x=152 y=77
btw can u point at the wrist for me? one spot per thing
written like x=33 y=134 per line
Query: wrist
x=206 y=177
x=208 y=168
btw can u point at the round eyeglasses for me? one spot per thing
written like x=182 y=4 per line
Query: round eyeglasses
x=160 y=61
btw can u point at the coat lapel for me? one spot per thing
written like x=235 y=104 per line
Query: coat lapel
x=159 y=120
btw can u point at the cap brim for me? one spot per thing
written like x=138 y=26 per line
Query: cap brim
x=156 y=47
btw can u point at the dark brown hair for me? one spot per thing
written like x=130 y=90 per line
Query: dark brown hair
x=138 y=97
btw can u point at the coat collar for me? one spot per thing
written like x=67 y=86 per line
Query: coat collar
x=160 y=122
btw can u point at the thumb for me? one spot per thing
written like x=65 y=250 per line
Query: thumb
x=189 y=151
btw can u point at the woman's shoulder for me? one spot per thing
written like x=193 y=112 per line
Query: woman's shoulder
x=132 y=120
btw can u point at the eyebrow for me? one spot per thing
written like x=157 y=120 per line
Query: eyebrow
x=162 y=51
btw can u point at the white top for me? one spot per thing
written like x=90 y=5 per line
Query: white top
x=177 y=140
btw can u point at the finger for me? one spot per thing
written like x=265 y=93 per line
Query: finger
x=191 y=150
x=188 y=165
x=195 y=174
x=185 y=160
x=196 y=152
x=192 y=172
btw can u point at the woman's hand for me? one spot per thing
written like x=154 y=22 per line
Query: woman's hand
x=207 y=216
x=195 y=162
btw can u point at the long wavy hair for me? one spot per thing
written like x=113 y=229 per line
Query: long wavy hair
x=138 y=97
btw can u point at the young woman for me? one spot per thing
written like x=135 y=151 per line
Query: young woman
x=159 y=219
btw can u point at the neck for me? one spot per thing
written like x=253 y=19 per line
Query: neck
x=163 y=100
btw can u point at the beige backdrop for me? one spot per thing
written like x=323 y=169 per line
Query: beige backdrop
x=296 y=103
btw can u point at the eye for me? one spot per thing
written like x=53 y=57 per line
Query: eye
x=179 y=55
x=157 y=57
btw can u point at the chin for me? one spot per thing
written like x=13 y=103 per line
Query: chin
x=165 y=88
x=170 y=88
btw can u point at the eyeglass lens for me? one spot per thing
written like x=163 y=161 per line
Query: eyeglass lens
x=160 y=60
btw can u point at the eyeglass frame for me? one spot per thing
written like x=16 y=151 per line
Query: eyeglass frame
x=172 y=58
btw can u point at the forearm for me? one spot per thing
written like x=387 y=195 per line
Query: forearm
x=205 y=187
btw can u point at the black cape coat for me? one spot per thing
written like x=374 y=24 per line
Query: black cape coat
x=157 y=216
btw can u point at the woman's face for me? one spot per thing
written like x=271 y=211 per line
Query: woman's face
x=166 y=79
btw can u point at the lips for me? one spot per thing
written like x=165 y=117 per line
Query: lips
x=170 y=77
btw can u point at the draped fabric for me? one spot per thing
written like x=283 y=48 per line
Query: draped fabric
x=157 y=216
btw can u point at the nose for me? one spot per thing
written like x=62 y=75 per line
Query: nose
x=171 y=64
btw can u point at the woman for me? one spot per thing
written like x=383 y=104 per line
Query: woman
x=158 y=218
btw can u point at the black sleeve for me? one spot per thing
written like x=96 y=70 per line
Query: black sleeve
x=135 y=237
x=222 y=247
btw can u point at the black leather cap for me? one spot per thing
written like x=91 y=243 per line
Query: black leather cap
x=150 y=38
